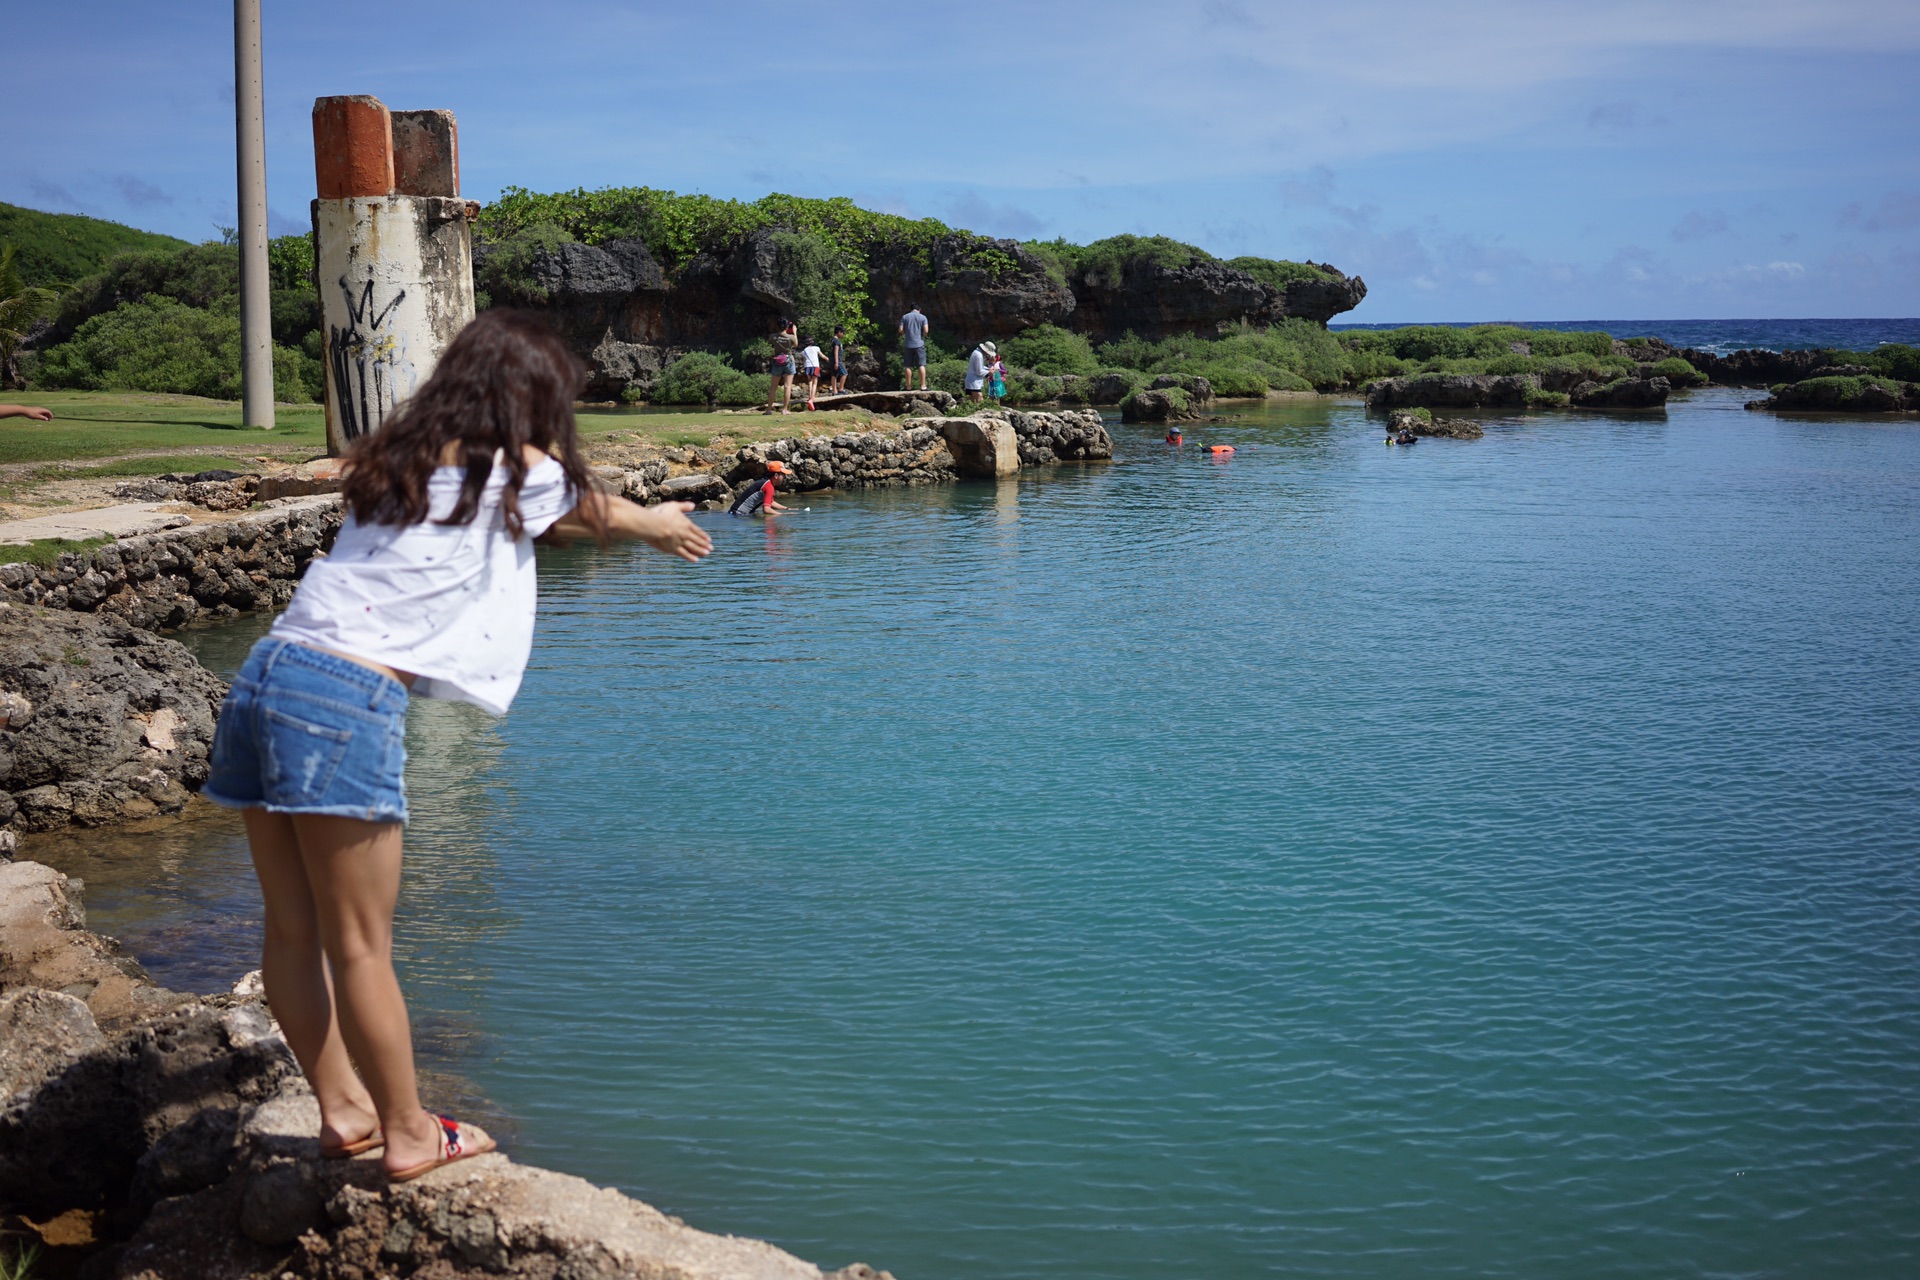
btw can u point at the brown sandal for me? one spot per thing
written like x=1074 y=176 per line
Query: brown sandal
x=452 y=1148
x=347 y=1150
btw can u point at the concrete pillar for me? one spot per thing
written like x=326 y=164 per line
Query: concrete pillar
x=394 y=247
x=250 y=139
x=982 y=448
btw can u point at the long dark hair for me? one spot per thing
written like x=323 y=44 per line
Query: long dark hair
x=507 y=381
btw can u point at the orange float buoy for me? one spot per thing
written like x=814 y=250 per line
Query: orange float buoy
x=1219 y=448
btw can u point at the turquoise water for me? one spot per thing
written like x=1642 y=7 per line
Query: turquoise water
x=1480 y=859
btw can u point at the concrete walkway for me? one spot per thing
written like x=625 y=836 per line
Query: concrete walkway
x=122 y=521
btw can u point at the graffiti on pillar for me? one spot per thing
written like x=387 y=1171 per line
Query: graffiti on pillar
x=372 y=370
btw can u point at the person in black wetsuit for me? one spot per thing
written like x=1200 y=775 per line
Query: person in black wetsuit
x=760 y=497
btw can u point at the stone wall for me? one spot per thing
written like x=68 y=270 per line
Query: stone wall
x=917 y=453
x=197 y=573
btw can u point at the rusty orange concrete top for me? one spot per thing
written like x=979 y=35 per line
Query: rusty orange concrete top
x=426 y=153
x=352 y=147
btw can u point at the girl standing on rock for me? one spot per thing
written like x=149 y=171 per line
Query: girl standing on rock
x=430 y=588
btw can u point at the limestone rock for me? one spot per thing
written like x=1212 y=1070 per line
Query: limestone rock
x=1622 y=393
x=1075 y=435
x=1844 y=393
x=1452 y=391
x=609 y=270
x=41 y=1034
x=1152 y=300
x=1425 y=424
x=122 y=723
x=983 y=447
x=1169 y=404
x=1199 y=390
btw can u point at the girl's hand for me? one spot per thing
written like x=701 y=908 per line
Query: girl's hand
x=666 y=529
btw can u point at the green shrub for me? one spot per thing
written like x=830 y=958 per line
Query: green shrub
x=702 y=378
x=1054 y=257
x=1278 y=273
x=158 y=344
x=1893 y=360
x=1024 y=387
x=1107 y=262
x=1287 y=380
x=503 y=273
x=1369 y=363
x=1050 y=350
x=290 y=261
x=1566 y=342
x=827 y=290
x=1238 y=379
x=1679 y=372
x=1539 y=399
x=944 y=375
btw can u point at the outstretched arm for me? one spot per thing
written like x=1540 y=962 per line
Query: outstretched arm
x=33 y=411
x=665 y=528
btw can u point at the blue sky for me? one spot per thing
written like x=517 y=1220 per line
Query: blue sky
x=1503 y=160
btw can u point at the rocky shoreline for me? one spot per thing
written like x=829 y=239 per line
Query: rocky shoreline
x=151 y=1135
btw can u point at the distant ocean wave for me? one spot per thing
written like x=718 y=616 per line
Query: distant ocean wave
x=1722 y=336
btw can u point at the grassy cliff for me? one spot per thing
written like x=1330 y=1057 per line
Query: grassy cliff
x=56 y=249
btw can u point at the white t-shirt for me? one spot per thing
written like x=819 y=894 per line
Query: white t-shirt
x=976 y=370
x=810 y=358
x=452 y=603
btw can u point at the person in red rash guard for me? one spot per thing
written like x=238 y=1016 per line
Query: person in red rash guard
x=760 y=496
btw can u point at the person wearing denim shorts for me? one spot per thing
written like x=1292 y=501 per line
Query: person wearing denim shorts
x=429 y=591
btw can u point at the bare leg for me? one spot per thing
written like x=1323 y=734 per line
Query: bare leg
x=298 y=989
x=354 y=868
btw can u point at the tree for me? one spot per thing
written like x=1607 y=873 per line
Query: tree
x=21 y=304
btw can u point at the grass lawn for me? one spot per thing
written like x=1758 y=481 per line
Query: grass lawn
x=104 y=424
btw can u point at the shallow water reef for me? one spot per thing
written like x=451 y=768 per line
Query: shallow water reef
x=1843 y=393
x=1514 y=391
x=172 y=1137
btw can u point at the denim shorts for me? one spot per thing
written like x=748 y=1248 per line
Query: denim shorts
x=914 y=357
x=303 y=731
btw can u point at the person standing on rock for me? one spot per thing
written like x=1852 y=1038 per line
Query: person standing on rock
x=976 y=381
x=810 y=363
x=786 y=345
x=913 y=349
x=429 y=591
x=838 y=386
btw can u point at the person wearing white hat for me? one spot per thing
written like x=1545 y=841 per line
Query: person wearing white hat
x=976 y=383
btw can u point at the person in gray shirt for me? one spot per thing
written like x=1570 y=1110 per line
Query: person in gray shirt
x=913 y=353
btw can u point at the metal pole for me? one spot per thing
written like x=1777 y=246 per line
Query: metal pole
x=250 y=126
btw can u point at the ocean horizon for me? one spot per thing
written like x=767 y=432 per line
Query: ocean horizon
x=1717 y=337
